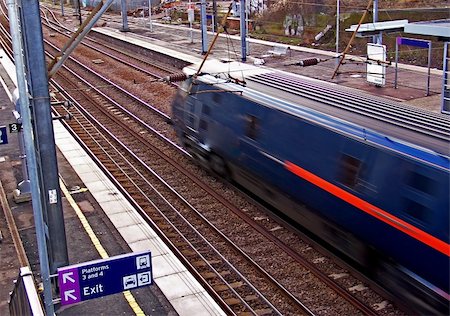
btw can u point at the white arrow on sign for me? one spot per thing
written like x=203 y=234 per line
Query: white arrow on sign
x=66 y=277
x=68 y=294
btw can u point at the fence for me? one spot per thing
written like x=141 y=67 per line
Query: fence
x=24 y=299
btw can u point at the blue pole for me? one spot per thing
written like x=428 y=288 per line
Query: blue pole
x=243 y=27
x=204 y=27
x=125 y=27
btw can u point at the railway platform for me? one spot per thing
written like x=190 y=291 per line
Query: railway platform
x=118 y=227
x=99 y=222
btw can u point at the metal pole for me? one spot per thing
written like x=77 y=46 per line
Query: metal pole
x=214 y=15
x=445 y=80
x=429 y=68
x=191 y=32
x=191 y=16
x=24 y=185
x=243 y=32
x=150 y=14
x=247 y=43
x=377 y=39
x=204 y=27
x=37 y=79
x=351 y=40
x=224 y=20
x=77 y=10
x=31 y=155
x=123 y=10
x=396 y=62
x=338 y=13
x=62 y=7
x=80 y=37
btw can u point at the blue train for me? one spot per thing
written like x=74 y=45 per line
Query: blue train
x=373 y=173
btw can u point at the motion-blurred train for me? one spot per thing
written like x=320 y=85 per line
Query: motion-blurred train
x=373 y=173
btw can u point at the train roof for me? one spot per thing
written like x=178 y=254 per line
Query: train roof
x=419 y=128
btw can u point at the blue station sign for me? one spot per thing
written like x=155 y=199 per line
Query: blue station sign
x=413 y=42
x=99 y=278
x=3 y=136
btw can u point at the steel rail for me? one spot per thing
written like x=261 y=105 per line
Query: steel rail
x=114 y=85
x=325 y=279
x=121 y=52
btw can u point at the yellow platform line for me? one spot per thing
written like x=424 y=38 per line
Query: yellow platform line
x=128 y=296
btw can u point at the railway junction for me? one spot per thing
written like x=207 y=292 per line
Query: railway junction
x=101 y=221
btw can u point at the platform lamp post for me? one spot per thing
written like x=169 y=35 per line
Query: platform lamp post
x=378 y=38
x=123 y=11
x=338 y=13
x=214 y=16
x=204 y=27
x=79 y=11
x=150 y=15
x=191 y=17
x=243 y=26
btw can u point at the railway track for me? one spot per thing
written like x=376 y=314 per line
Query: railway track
x=200 y=198
x=172 y=214
x=187 y=212
x=134 y=60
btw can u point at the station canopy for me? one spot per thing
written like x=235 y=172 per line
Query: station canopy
x=438 y=28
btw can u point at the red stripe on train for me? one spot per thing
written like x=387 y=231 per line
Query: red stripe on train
x=380 y=214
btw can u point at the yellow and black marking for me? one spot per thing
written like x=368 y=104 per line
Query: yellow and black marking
x=87 y=227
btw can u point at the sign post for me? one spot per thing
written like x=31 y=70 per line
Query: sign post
x=103 y=277
x=191 y=18
x=376 y=68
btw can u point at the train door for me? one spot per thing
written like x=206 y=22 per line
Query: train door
x=354 y=168
x=253 y=156
x=192 y=113
x=420 y=196
x=249 y=142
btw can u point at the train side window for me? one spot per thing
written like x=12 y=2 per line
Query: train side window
x=191 y=107
x=350 y=167
x=252 y=126
x=191 y=120
x=206 y=110
x=203 y=125
x=419 y=190
x=420 y=182
x=417 y=210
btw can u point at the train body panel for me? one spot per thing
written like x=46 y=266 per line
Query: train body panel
x=365 y=191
